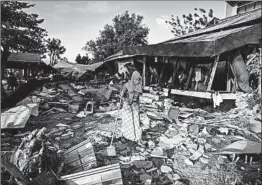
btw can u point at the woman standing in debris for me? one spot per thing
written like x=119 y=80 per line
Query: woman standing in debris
x=131 y=129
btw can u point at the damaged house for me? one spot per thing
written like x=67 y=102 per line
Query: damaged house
x=207 y=63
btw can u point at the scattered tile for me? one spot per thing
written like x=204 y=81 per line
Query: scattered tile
x=166 y=169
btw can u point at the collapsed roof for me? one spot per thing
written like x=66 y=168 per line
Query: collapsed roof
x=230 y=33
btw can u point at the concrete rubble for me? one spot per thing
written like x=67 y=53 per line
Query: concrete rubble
x=180 y=146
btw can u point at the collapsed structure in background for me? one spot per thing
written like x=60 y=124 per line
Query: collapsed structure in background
x=205 y=63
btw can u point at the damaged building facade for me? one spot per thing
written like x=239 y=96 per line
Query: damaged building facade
x=207 y=63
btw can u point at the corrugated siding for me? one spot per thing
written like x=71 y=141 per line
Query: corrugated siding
x=24 y=57
x=210 y=36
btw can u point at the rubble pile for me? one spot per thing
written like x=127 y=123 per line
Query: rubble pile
x=180 y=145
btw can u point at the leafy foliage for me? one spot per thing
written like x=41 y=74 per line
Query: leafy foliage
x=55 y=50
x=126 y=30
x=82 y=60
x=20 y=31
x=191 y=22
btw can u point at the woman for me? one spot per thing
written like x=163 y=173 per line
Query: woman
x=131 y=129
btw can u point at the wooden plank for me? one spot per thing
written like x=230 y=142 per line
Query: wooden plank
x=144 y=71
x=234 y=80
x=189 y=77
x=97 y=178
x=228 y=78
x=213 y=72
x=104 y=175
x=162 y=71
x=205 y=95
x=91 y=172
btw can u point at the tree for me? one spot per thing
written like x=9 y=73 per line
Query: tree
x=190 y=23
x=85 y=60
x=78 y=59
x=82 y=60
x=126 y=30
x=55 y=49
x=20 y=31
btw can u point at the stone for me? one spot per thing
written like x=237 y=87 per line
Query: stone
x=124 y=159
x=140 y=149
x=188 y=162
x=176 y=177
x=203 y=160
x=58 y=133
x=170 y=143
x=158 y=151
x=145 y=178
x=255 y=126
x=201 y=140
x=158 y=162
x=192 y=146
x=151 y=144
x=208 y=146
x=223 y=130
x=72 y=133
x=215 y=140
x=66 y=136
x=57 y=138
x=76 y=126
x=193 y=129
x=137 y=158
x=191 y=150
x=179 y=183
x=196 y=156
x=69 y=130
x=166 y=169
x=143 y=164
x=121 y=146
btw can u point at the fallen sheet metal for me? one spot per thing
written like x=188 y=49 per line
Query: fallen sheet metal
x=80 y=157
x=17 y=117
x=241 y=147
x=110 y=175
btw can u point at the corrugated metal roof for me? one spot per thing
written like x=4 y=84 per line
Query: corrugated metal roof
x=223 y=24
x=118 y=55
x=210 y=36
x=79 y=67
x=206 y=45
x=24 y=57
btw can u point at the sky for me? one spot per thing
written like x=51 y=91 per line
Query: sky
x=76 y=22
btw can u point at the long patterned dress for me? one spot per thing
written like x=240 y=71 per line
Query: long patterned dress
x=131 y=129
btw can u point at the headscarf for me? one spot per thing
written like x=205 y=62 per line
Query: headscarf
x=131 y=86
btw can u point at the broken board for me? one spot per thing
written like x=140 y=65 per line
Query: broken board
x=80 y=157
x=109 y=175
